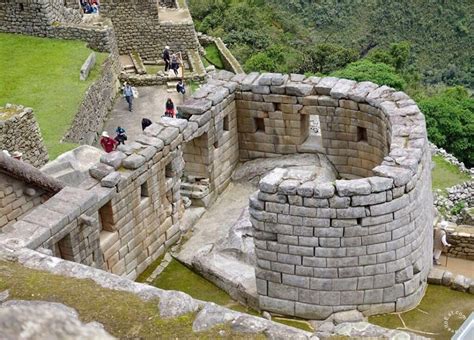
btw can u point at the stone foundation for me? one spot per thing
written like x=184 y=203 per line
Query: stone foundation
x=462 y=243
x=19 y=131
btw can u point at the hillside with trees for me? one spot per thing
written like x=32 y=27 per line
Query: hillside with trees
x=423 y=47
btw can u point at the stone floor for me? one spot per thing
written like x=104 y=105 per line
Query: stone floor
x=457 y=266
x=150 y=104
x=216 y=222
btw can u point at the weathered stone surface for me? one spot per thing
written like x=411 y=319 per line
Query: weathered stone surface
x=87 y=66
x=212 y=315
x=45 y=320
x=348 y=316
x=100 y=170
x=4 y=296
x=299 y=89
x=173 y=304
x=342 y=88
x=133 y=161
x=111 y=180
x=114 y=159
x=270 y=182
x=168 y=135
x=151 y=141
x=353 y=187
x=195 y=106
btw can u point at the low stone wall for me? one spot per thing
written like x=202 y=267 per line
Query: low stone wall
x=17 y=199
x=230 y=62
x=19 y=131
x=462 y=243
x=97 y=103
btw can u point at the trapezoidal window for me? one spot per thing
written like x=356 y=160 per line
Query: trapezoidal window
x=361 y=134
x=106 y=215
x=169 y=170
x=21 y=7
x=144 y=191
x=260 y=124
x=226 y=123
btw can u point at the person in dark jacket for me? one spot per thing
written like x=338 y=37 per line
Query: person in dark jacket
x=145 y=123
x=166 y=58
x=121 y=136
x=180 y=87
x=169 y=108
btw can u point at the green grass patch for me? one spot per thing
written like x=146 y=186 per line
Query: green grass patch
x=445 y=174
x=123 y=314
x=44 y=74
x=213 y=56
x=177 y=276
x=154 y=69
x=151 y=268
x=429 y=318
x=301 y=324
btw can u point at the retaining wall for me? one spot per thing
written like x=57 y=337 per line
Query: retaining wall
x=139 y=28
x=19 y=131
x=97 y=103
x=462 y=244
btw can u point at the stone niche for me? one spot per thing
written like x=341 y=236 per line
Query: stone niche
x=362 y=242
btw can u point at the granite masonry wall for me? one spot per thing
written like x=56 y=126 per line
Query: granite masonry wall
x=51 y=19
x=97 y=103
x=462 y=242
x=362 y=243
x=139 y=28
x=17 y=199
x=19 y=131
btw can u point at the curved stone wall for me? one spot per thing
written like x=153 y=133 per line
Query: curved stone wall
x=19 y=131
x=363 y=243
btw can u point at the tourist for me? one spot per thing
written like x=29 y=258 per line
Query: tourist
x=180 y=87
x=166 y=58
x=107 y=143
x=440 y=242
x=121 y=136
x=128 y=94
x=169 y=108
x=95 y=8
x=175 y=64
x=145 y=123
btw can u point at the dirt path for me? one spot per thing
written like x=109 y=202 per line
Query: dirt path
x=457 y=266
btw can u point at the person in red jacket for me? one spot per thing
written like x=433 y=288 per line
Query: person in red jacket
x=107 y=143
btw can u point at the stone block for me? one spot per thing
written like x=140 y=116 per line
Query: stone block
x=379 y=184
x=461 y=283
x=282 y=291
x=133 y=162
x=312 y=312
x=373 y=296
x=295 y=281
x=400 y=176
x=87 y=66
x=113 y=159
x=342 y=88
x=325 y=85
x=330 y=299
x=111 y=180
x=353 y=187
x=270 y=183
x=151 y=141
x=352 y=298
x=308 y=296
x=384 y=280
x=277 y=305
x=391 y=294
x=298 y=89
x=195 y=106
x=100 y=170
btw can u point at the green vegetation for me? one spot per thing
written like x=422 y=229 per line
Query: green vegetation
x=433 y=317
x=213 y=56
x=445 y=175
x=366 y=70
x=177 y=276
x=420 y=47
x=44 y=74
x=123 y=314
x=450 y=121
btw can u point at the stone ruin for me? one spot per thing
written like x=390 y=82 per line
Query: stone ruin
x=361 y=240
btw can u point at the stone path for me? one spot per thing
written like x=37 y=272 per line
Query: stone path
x=149 y=104
x=457 y=266
x=217 y=221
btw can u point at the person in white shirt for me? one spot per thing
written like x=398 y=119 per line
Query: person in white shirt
x=440 y=242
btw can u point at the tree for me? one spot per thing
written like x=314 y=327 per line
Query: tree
x=325 y=58
x=379 y=73
x=450 y=122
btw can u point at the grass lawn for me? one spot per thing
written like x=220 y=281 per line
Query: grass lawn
x=446 y=175
x=213 y=56
x=177 y=276
x=123 y=314
x=440 y=310
x=44 y=74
